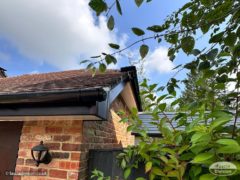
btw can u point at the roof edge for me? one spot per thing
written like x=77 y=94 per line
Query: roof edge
x=76 y=95
x=134 y=82
x=3 y=73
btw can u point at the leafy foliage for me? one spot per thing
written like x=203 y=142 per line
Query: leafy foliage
x=99 y=175
x=203 y=134
x=199 y=88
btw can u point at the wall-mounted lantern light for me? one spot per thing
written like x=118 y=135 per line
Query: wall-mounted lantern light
x=40 y=154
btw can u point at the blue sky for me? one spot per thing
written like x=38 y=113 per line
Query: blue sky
x=45 y=36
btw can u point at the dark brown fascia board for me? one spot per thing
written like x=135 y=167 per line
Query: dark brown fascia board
x=47 y=110
x=3 y=73
x=77 y=96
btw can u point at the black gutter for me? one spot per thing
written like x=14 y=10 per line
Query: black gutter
x=52 y=103
x=134 y=82
x=76 y=96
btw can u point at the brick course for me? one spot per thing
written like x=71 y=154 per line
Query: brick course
x=69 y=143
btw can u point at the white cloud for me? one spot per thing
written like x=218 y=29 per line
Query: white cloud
x=158 y=61
x=57 y=32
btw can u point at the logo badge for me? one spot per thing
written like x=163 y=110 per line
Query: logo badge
x=223 y=168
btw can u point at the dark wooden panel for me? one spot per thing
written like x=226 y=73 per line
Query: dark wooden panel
x=9 y=141
x=106 y=161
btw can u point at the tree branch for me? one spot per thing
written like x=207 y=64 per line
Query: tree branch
x=173 y=32
x=168 y=120
x=236 y=110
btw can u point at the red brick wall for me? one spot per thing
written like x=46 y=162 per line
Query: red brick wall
x=69 y=142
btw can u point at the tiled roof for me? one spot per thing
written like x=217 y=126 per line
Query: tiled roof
x=153 y=129
x=74 y=79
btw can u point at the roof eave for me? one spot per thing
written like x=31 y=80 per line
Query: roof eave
x=134 y=82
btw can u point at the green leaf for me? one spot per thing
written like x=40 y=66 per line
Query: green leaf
x=195 y=52
x=171 y=52
x=114 y=46
x=209 y=73
x=173 y=173
x=227 y=142
x=157 y=171
x=138 y=2
x=140 y=178
x=187 y=44
x=171 y=89
x=206 y=2
x=187 y=156
x=204 y=65
x=143 y=50
x=207 y=177
x=196 y=170
x=96 y=56
x=229 y=146
x=236 y=51
x=98 y=6
x=222 y=79
x=152 y=87
x=148 y=166
x=118 y=5
x=130 y=128
x=90 y=65
x=222 y=54
x=156 y=28
x=138 y=31
x=203 y=157
x=176 y=102
x=212 y=54
x=164 y=159
x=192 y=65
x=230 y=39
x=123 y=164
x=110 y=23
x=162 y=106
x=228 y=149
x=124 y=120
x=216 y=38
x=127 y=172
x=172 y=38
x=159 y=99
x=183 y=148
x=168 y=150
x=102 y=67
x=200 y=137
x=84 y=61
x=110 y=59
x=205 y=28
x=218 y=122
